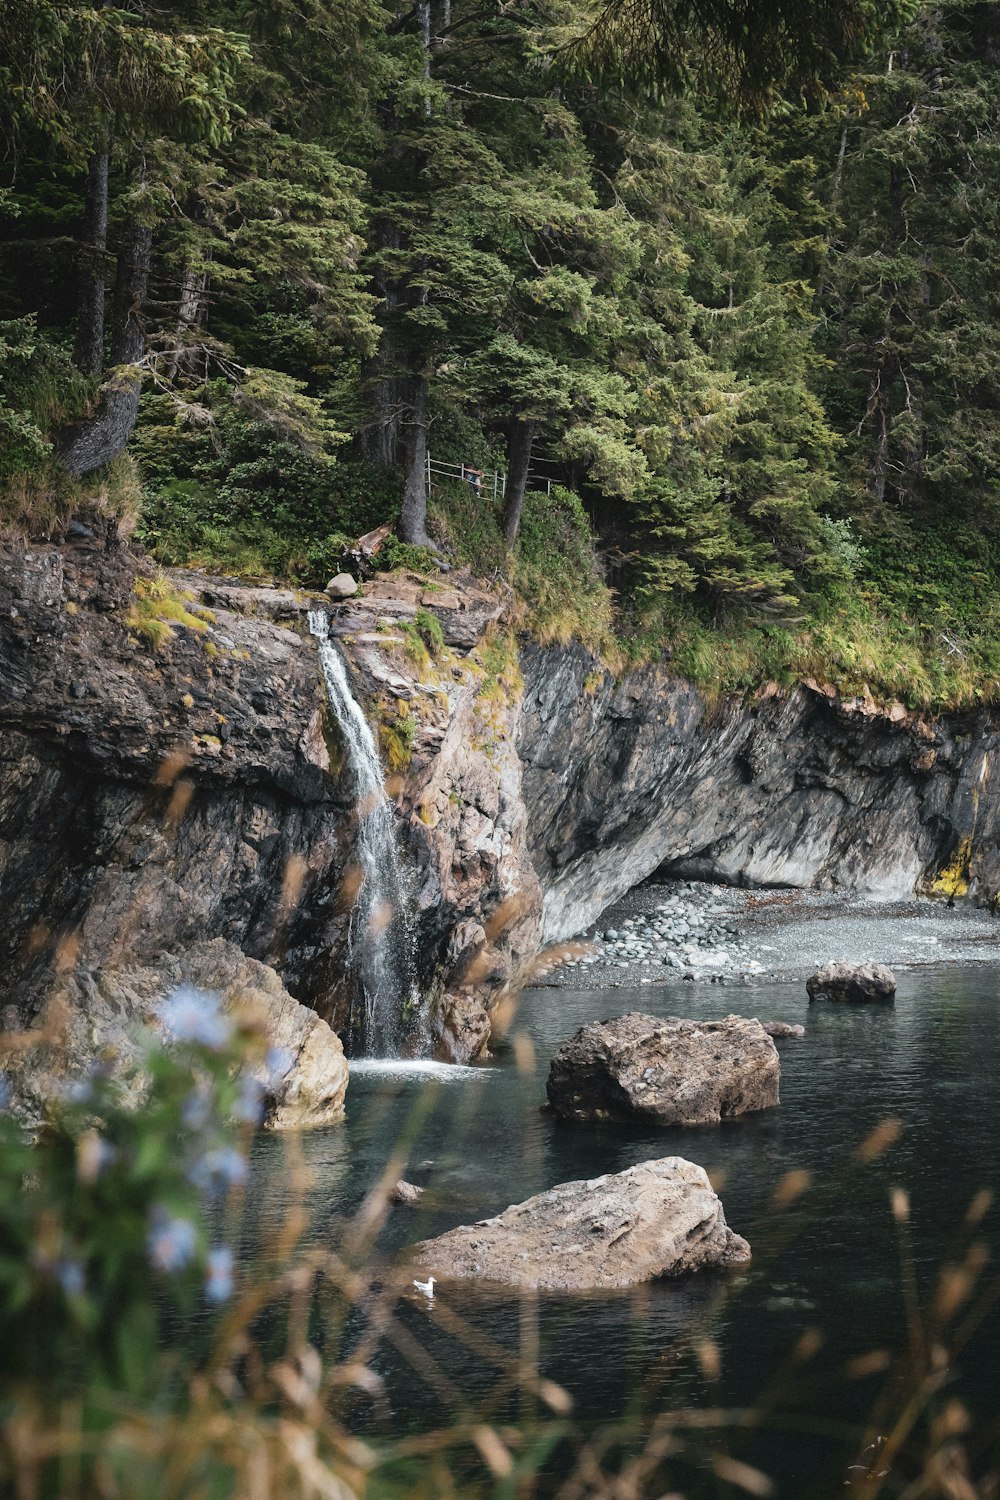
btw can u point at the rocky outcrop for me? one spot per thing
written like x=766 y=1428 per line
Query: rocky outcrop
x=625 y=775
x=664 y=1072
x=661 y=1218
x=104 y=1015
x=163 y=784
x=855 y=984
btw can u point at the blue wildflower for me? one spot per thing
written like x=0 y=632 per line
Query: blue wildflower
x=249 y=1105
x=196 y=1110
x=219 y=1274
x=191 y=1015
x=71 y=1277
x=218 y=1170
x=171 y=1242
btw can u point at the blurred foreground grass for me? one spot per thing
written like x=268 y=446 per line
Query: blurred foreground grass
x=142 y=1360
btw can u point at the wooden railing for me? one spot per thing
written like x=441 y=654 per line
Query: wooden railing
x=492 y=481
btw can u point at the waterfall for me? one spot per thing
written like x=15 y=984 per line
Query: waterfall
x=380 y=939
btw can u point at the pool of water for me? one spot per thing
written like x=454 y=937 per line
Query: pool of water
x=827 y=1283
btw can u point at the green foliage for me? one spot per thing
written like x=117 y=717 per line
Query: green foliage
x=792 y=46
x=396 y=554
x=105 y=1223
x=762 y=352
x=239 y=494
x=397 y=728
x=156 y=606
x=428 y=627
x=38 y=385
x=557 y=573
x=468 y=525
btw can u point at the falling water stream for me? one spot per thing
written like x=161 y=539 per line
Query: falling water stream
x=380 y=938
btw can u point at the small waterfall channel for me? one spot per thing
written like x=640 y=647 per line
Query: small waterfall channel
x=380 y=937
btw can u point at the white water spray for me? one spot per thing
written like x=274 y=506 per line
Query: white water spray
x=380 y=940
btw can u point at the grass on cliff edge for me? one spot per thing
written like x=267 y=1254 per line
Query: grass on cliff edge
x=916 y=621
x=919 y=620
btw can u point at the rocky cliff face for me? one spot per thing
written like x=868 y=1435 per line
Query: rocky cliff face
x=152 y=800
x=799 y=789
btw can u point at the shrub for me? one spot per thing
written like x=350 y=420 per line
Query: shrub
x=229 y=492
x=106 y=1223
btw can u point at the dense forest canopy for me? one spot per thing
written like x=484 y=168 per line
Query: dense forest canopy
x=713 y=286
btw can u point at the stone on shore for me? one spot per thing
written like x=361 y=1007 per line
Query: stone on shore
x=342 y=586
x=667 y=1071
x=661 y=1218
x=855 y=984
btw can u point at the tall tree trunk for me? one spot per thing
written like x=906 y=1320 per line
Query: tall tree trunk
x=378 y=439
x=880 y=411
x=413 y=515
x=192 y=305
x=424 y=31
x=91 y=444
x=88 y=355
x=520 y=437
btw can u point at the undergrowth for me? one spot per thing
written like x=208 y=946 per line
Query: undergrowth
x=559 y=590
x=38 y=504
x=912 y=614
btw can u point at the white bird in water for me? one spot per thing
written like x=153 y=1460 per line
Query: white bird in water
x=427 y=1287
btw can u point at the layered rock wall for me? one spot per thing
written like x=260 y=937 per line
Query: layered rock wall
x=155 y=799
x=155 y=795
x=804 y=789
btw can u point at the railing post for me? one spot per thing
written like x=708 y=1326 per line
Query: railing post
x=427 y=461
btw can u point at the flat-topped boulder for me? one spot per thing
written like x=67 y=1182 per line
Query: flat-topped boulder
x=853 y=984
x=665 y=1071
x=661 y=1218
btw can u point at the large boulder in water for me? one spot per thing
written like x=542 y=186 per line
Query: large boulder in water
x=661 y=1218
x=665 y=1071
x=108 y=1011
x=856 y=984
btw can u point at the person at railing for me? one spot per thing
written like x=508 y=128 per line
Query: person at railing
x=474 y=477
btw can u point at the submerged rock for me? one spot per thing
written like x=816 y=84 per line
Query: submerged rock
x=781 y=1029
x=406 y=1193
x=857 y=984
x=672 y=1071
x=661 y=1218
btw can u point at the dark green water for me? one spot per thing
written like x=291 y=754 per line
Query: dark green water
x=831 y=1262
